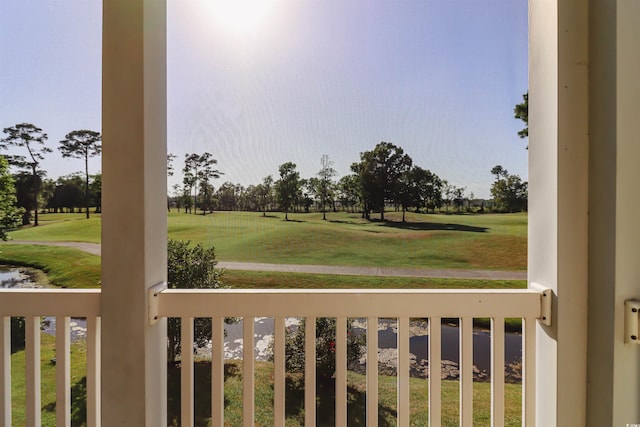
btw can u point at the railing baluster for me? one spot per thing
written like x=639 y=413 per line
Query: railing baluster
x=63 y=372
x=341 y=371
x=403 y=372
x=93 y=371
x=435 y=371
x=33 y=371
x=497 y=372
x=528 y=371
x=187 y=418
x=5 y=370
x=372 y=371
x=310 y=372
x=279 y=371
x=248 y=380
x=466 y=372
x=217 y=371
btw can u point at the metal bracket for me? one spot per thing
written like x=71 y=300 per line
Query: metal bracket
x=546 y=298
x=631 y=321
x=153 y=297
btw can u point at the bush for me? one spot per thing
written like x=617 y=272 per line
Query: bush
x=325 y=349
x=17 y=333
x=190 y=268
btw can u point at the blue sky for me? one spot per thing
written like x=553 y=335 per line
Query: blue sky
x=303 y=79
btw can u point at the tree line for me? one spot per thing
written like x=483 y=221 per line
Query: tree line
x=28 y=191
x=384 y=177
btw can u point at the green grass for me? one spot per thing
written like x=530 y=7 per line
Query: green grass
x=325 y=399
x=48 y=379
x=62 y=228
x=426 y=241
x=64 y=267
x=263 y=394
x=275 y=280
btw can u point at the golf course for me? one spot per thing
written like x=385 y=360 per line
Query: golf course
x=425 y=241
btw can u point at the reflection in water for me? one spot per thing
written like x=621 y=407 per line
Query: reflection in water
x=11 y=277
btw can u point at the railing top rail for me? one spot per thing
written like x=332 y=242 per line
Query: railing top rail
x=50 y=302
x=289 y=302
x=350 y=303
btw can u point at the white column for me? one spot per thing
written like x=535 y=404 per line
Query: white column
x=134 y=219
x=558 y=200
x=614 y=275
x=626 y=357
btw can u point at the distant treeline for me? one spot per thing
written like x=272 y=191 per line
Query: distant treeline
x=384 y=178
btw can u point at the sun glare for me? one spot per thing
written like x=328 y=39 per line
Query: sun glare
x=241 y=17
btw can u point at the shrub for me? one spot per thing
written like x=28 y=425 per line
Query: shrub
x=325 y=348
x=190 y=268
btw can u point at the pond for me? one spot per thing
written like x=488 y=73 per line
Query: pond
x=20 y=277
x=387 y=342
x=13 y=277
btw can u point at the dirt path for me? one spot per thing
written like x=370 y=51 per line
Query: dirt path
x=94 y=248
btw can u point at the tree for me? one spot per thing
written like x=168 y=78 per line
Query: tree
x=68 y=193
x=190 y=177
x=499 y=172
x=9 y=213
x=287 y=187
x=205 y=174
x=509 y=192
x=82 y=144
x=26 y=193
x=521 y=111
x=348 y=191
x=95 y=191
x=264 y=193
x=190 y=268
x=324 y=188
x=31 y=138
x=409 y=191
x=170 y=172
x=379 y=174
x=199 y=167
x=458 y=197
x=429 y=188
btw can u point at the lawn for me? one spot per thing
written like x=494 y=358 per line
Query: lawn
x=72 y=268
x=356 y=396
x=489 y=241
x=264 y=395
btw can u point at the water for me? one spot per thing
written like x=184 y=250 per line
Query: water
x=387 y=343
x=12 y=277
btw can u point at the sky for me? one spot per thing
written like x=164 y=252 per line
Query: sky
x=258 y=83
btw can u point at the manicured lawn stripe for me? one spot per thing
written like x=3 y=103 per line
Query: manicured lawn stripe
x=488 y=241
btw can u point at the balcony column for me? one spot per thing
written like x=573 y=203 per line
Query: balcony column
x=558 y=216
x=614 y=274
x=134 y=219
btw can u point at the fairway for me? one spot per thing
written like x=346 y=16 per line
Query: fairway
x=488 y=241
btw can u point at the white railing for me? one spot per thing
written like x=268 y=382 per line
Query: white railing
x=372 y=305
x=61 y=304
x=402 y=305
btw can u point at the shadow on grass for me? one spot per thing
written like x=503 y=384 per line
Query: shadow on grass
x=294 y=397
x=78 y=404
x=433 y=226
x=419 y=226
x=325 y=401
